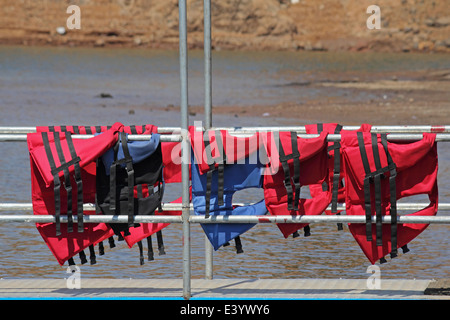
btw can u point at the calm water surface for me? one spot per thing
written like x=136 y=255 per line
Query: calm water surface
x=45 y=86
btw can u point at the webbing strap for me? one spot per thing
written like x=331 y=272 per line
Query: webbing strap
x=141 y=253
x=377 y=186
x=393 y=196
x=159 y=238
x=56 y=182
x=295 y=156
x=238 y=243
x=78 y=181
x=150 y=255
x=220 y=160
x=67 y=183
x=92 y=257
x=375 y=179
x=336 y=171
x=130 y=178
x=113 y=204
x=367 y=204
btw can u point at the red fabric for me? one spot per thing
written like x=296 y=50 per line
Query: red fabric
x=417 y=166
x=313 y=170
x=235 y=148
x=67 y=245
x=316 y=189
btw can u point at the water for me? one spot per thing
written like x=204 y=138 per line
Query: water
x=50 y=86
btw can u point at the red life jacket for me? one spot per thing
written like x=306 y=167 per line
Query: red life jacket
x=62 y=179
x=334 y=186
x=298 y=163
x=378 y=173
x=43 y=194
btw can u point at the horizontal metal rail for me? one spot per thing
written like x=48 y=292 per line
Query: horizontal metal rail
x=167 y=206
x=131 y=137
x=298 y=129
x=374 y=129
x=176 y=137
x=18 y=130
x=225 y=219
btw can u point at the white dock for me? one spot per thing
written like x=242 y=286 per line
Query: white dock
x=225 y=289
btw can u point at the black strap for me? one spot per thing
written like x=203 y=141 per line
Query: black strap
x=82 y=256
x=56 y=182
x=375 y=179
x=238 y=243
x=367 y=203
x=101 y=248
x=67 y=183
x=130 y=178
x=113 y=204
x=319 y=128
x=150 y=254
x=295 y=156
x=220 y=160
x=159 y=238
x=307 y=231
x=71 y=262
x=111 y=242
x=377 y=187
x=92 y=257
x=78 y=181
x=141 y=253
x=336 y=175
x=336 y=171
x=393 y=195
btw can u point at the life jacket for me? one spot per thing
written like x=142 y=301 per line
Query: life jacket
x=62 y=179
x=88 y=174
x=133 y=129
x=378 y=173
x=221 y=165
x=294 y=162
x=335 y=184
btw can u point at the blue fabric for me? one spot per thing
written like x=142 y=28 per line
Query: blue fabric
x=139 y=150
x=236 y=177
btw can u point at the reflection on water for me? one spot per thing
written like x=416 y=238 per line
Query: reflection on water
x=44 y=86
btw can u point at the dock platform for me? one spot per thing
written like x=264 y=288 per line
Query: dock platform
x=225 y=289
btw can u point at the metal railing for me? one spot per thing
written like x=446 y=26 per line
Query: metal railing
x=180 y=134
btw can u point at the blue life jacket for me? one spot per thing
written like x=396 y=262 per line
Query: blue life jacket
x=218 y=189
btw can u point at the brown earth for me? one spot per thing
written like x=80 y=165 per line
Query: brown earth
x=406 y=25
x=422 y=100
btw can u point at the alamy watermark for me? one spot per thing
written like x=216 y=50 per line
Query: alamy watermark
x=374 y=21
x=374 y=280
x=74 y=280
x=74 y=20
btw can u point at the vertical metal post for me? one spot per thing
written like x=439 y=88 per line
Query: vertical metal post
x=208 y=108
x=185 y=150
x=207 y=55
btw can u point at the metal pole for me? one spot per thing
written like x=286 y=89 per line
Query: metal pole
x=167 y=206
x=442 y=137
x=227 y=219
x=131 y=137
x=185 y=150
x=317 y=219
x=298 y=129
x=207 y=57
x=208 y=111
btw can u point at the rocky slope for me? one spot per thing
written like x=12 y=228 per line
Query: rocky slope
x=406 y=25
